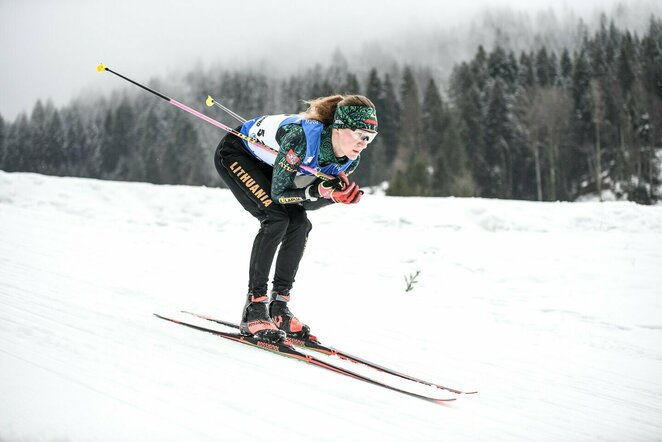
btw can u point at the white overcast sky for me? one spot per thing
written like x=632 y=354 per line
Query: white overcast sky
x=49 y=48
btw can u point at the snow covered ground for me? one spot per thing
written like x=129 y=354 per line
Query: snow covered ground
x=552 y=311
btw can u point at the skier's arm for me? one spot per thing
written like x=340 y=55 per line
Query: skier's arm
x=292 y=143
x=322 y=202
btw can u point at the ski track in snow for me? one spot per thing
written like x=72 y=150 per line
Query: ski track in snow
x=553 y=311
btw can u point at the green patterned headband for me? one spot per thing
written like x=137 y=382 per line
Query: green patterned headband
x=355 y=117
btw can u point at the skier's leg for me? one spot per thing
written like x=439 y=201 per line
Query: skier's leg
x=250 y=181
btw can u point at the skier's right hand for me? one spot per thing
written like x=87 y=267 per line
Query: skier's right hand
x=338 y=190
x=338 y=183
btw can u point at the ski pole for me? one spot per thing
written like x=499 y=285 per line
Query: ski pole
x=102 y=67
x=211 y=101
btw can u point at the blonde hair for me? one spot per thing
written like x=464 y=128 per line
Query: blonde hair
x=323 y=108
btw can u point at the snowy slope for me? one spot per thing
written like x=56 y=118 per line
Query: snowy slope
x=552 y=311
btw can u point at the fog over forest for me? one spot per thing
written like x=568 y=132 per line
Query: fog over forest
x=152 y=39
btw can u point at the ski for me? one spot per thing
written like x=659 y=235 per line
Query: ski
x=286 y=349
x=314 y=344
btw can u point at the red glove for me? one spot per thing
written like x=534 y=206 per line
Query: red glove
x=351 y=195
x=338 y=190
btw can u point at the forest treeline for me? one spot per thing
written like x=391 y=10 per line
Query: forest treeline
x=535 y=125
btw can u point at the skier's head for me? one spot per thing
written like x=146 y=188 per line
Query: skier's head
x=344 y=112
x=356 y=116
x=353 y=119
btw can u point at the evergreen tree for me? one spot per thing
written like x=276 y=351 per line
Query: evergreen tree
x=398 y=186
x=470 y=115
x=77 y=145
x=512 y=79
x=565 y=70
x=152 y=139
x=389 y=115
x=322 y=89
x=651 y=78
x=642 y=152
x=413 y=179
x=479 y=69
x=435 y=124
x=527 y=117
x=410 y=153
x=652 y=59
x=598 y=113
x=410 y=120
x=118 y=141
x=181 y=152
x=527 y=75
x=336 y=75
x=124 y=139
x=190 y=170
x=433 y=119
x=316 y=83
x=351 y=85
x=498 y=67
x=498 y=143
x=255 y=98
x=411 y=108
x=611 y=44
x=34 y=155
x=93 y=152
x=625 y=75
x=597 y=58
x=292 y=93
x=53 y=156
x=625 y=70
x=18 y=141
x=545 y=69
x=582 y=128
x=457 y=180
x=109 y=155
x=553 y=68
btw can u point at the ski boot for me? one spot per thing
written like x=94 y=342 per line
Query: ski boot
x=284 y=319
x=255 y=321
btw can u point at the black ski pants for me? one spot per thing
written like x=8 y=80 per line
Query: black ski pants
x=284 y=225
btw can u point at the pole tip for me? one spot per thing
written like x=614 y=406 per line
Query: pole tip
x=210 y=101
x=101 y=67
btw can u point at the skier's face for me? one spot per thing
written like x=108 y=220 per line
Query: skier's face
x=350 y=142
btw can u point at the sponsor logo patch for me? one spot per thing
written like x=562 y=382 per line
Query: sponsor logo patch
x=292 y=157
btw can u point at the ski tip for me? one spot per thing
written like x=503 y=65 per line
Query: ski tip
x=458 y=392
x=443 y=401
x=101 y=67
x=166 y=318
x=210 y=101
x=209 y=318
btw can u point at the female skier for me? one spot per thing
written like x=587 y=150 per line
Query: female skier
x=329 y=138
